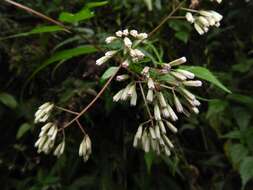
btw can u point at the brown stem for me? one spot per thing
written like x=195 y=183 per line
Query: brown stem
x=67 y=110
x=146 y=104
x=93 y=101
x=66 y=29
x=165 y=19
x=80 y=126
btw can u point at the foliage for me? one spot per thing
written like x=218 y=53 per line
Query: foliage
x=41 y=62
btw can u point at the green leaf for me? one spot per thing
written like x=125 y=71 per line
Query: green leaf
x=149 y=4
x=8 y=100
x=64 y=55
x=108 y=73
x=182 y=36
x=205 y=74
x=24 y=128
x=149 y=159
x=237 y=153
x=233 y=135
x=77 y=17
x=246 y=170
x=37 y=30
x=96 y=4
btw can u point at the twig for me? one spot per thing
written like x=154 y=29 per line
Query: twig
x=66 y=29
x=165 y=19
x=67 y=110
x=93 y=101
x=80 y=126
x=146 y=104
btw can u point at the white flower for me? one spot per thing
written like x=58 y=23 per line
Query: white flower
x=145 y=71
x=171 y=127
x=157 y=112
x=189 y=17
x=142 y=36
x=122 y=77
x=150 y=95
x=125 y=63
x=195 y=83
x=125 y=32
x=178 y=104
x=151 y=84
x=119 y=33
x=187 y=74
x=134 y=33
x=162 y=100
x=59 y=149
x=44 y=112
x=110 y=39
x=110 y=54
x=102 y=60
x=128 y=43
x=178 y=61
x=85 y=148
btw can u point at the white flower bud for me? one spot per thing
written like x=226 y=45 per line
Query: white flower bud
x=122 y=77
x=125 y=63
x=178 y=61
x=102 y=60
x=151 y=84
x=147 y=145
x=203 y=21
x=119 y=33
x=125 y=32
x=162 y=127
x=178 y=75
x=195 y=110
x=117 y=96
x=195 y=83
x=187 y=74
x=171 y=127
x=142 y=36
x=165 y=113
x=127 y=42
x=188 y=94
x=157 y=112
x=110 y=39
x=178 y=104
x=145 y=71
x=199 y=29
x=110 y=54
x=139 y=132
x=189 y=17
x=162 y=100
x=134 y=33
x=157 y=132
x=167 y=151
x=150 y=96
x=152 y=132
x=133 y=100
x=172 y=114
x=167 y=141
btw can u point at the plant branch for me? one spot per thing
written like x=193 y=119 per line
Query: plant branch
x=146 y=104
x=67 y=110
x=93 y=101
x=165 y=19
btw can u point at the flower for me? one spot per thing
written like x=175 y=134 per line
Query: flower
x=204 y=19
x=110 y=39
x=85 y=148
x=44 y=112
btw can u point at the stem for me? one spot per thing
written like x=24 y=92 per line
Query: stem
x=146 y=104
x=66 y=29
x=67 y=110
x=93 y=101
x=190 y=10
x=80 y=126
x=165 y=19
x=164 y=86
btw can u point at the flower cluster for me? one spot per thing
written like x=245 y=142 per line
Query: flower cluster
x=203 y=20
x=85 y=148
x=44 y=112
x=129 y=39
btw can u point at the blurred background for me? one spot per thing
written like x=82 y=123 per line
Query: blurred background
x=214 y=150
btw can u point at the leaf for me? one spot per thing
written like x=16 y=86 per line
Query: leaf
x=64 y=55
x=246 y=170
x=237 y=153
x=8 y=100
x=37 y=30
x=84 y=14
x=233 y=135
x=182 y=36
x=246 y=100
x=149 y=4
x=108 y=73
x=96 y=4
x=149 y=159
x=23 y=129
x=205 y=74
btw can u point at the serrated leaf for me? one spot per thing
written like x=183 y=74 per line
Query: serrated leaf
x=246 y=170
x=23 y=129
x=108 y=73
x=8 y=100
x=205 y=74
x=64 y=55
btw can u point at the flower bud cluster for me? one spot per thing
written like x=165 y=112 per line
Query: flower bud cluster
x=128 y=39
x=154 y=138
x=203 y=20
x=85 y=148
x=44 y=112
x=129 y=92
x=46 y=140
